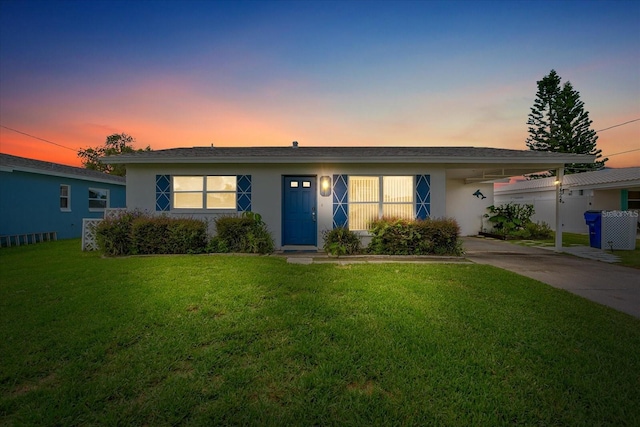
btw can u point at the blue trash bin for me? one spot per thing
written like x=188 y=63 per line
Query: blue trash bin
x=594 y=221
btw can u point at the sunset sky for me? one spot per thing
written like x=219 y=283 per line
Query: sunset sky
x=255 y=73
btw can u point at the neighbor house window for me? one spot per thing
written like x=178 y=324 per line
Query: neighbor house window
x=65 y=197
x=204 y=192
x=98 y=198
x=374 y=197
x=633 y=201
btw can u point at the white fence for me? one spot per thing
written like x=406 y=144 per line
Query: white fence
x=89 y=242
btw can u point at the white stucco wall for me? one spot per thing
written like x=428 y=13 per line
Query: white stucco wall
x=450 y=198
x=467 y=209
x=574 y=203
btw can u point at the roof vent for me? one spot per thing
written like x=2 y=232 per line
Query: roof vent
x=295 y=144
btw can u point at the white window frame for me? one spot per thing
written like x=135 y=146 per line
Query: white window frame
x=380 y=202
x=204 y=192
x=67 y=198
x=89 y=199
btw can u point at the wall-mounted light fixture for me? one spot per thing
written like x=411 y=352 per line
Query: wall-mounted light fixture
x=325 y=185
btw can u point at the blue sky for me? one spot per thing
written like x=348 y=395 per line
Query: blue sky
x=323 y=73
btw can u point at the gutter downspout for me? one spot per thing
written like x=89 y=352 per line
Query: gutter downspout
x=559 y=179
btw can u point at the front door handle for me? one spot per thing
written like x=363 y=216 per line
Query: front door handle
x=313 y=214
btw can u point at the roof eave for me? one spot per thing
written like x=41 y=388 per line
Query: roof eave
x=608 y=185
x=105 y=180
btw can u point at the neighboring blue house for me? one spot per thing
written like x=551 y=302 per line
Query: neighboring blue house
x=42 y=197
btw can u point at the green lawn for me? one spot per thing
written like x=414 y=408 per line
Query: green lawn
x=246 y=340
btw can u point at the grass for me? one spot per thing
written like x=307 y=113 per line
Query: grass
x=246 y=340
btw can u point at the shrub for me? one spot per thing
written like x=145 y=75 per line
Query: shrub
x=394 y=236
x=341 y=241
x=217 y=245
x=113 y=234
x=438 y=236
x=245 y=234
x=510 y=218
x=133 y=232
x=189 y=236
x=533 y=230
x=164 y=235
x=539 y=230
x=514 y=220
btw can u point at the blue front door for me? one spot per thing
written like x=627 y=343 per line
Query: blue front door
x=299 y=211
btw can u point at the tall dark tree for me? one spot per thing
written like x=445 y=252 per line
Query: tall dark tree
x=118 y=143
x=559 y=123
x=543 y=116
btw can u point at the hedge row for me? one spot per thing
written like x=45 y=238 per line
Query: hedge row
x=164 y=235
x=393 y=236
x=243 y=234
x=134 y=233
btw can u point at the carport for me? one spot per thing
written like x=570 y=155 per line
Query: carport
x=490 y=172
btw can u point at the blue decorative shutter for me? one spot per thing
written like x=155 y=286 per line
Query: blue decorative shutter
x=340 y=201
x=423 y=196
x=163 y=192
x=243 y=193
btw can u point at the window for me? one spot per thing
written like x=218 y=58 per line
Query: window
x=204 y=192
x=98 y=198
x=65 y=197
x=633 y=201
x=374 y=197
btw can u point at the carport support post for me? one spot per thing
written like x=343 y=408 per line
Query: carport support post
x=559 y=177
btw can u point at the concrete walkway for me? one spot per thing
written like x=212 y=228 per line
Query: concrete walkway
x=611 y=285
x=577 y=250
x=322 y=258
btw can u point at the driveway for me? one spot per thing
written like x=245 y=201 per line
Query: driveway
x=611 y=285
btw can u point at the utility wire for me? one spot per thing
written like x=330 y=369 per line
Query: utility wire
x=621 y=124
x=615 y=126
x=41 y=139
x=623 y=152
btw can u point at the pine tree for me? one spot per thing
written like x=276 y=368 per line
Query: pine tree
x=542 y=119
x=559 y=123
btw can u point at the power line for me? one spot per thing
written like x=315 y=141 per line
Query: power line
x=623 y=152
x=621 y=124
x=41 y=139
x=618 y=125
